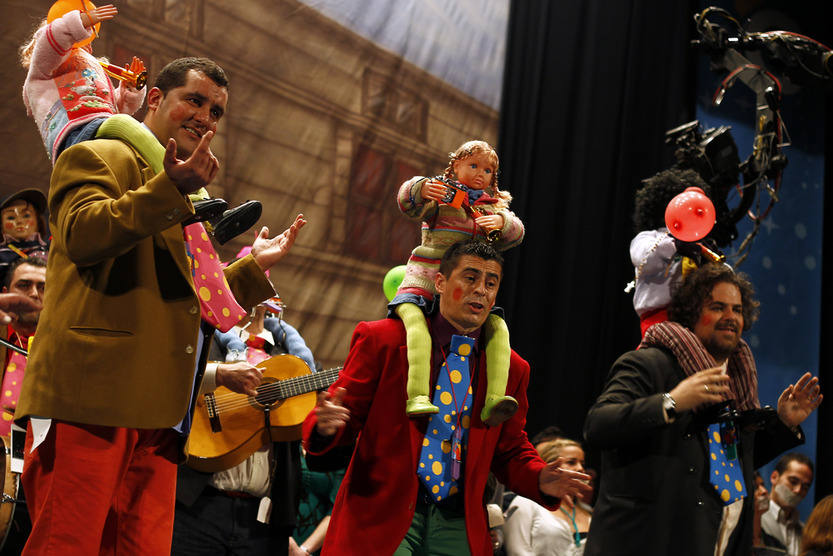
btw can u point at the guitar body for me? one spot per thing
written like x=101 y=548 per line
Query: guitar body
x=228 y=427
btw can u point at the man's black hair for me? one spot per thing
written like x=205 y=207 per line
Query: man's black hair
x=175 y=73
x=472 y=247
x=33 y=261
x=785 y=460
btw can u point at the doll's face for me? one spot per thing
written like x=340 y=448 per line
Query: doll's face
x=476 y=171
x=20 y=220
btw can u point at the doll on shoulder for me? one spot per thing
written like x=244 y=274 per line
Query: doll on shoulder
x=464 y=202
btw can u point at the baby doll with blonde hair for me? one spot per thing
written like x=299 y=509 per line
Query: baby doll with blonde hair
x=465 y=202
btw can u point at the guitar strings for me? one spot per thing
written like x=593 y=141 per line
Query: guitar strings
x=301 y=384
x=232 y=400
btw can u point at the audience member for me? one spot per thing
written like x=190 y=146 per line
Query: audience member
x=533 y=530
x=761 y=506
x=318 y=494
x=780 y=526
x=817 y=539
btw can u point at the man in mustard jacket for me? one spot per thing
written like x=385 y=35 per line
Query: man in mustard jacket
x=119 y=339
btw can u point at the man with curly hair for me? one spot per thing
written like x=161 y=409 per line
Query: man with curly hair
x=677 y=457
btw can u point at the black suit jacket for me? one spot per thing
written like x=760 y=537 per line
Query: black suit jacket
x=655 y=496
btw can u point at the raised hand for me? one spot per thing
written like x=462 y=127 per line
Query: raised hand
x=704 y=388
x=268 y=251
x=135 y=67
x=241 y=377
x=330 y=414
x=798 y=401
x=97 y=15
x=558 y=482
x=195 y=172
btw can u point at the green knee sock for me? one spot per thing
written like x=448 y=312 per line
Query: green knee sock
x=498 y=352
x=418 y=342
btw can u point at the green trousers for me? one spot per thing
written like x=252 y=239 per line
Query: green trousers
x=435 y=531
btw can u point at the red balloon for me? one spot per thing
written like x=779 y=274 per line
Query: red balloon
x=690 y=216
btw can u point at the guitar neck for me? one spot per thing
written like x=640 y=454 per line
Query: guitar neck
x=307 y=383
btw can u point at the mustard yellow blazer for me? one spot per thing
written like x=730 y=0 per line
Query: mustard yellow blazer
x=117 y=340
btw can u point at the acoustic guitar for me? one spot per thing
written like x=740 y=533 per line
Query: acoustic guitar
x=228 y=427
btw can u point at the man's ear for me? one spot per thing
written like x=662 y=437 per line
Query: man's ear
x=773 y=478
x=439 y=283
x=154 y=98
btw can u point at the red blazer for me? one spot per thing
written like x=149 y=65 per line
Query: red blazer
x=375 y=504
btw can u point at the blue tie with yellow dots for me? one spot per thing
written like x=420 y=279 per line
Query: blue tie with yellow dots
x=441 y=457
x=725 y=473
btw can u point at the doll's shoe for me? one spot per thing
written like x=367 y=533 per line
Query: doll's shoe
x=207 y=209
x=420 y=405
x=236 y=221
x=498 y=409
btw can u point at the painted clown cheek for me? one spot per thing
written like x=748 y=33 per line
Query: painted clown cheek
x=707 y=320
x=8 y=226
x=457 y=294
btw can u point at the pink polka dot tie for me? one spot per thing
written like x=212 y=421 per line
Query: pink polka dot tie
x=219 y=308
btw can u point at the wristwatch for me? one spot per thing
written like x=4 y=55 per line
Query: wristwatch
x=669 y=406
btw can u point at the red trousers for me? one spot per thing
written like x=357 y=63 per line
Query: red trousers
x=101 y=490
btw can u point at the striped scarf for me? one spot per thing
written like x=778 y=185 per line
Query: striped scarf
x=693 y=357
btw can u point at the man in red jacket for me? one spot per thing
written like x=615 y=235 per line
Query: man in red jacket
x=398 y=495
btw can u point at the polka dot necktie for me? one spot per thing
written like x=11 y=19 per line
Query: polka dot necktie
x=725 y=473
x=441 y=458
x=12 y=382
x=217 y=303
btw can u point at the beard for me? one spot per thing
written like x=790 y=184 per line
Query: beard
x=721 y=349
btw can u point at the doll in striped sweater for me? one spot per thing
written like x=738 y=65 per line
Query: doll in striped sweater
x=465 y=202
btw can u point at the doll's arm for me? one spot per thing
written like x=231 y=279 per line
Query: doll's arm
x=651 y=251
x=411 y=201
x=53 y=42
x=128 y=99
x=512 y=233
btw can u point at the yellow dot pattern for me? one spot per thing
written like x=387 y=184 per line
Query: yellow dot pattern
x=218 y=306
x=727 y=480
x=438 y=449
x=12 y=381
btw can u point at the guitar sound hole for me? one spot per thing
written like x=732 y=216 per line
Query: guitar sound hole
x=268 y=394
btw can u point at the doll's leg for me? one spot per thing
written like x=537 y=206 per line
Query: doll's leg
x=418 y=342
x=498 y=407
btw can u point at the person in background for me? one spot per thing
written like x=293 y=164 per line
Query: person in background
x=533 y=530
x=791 y=480
x=817 y=539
